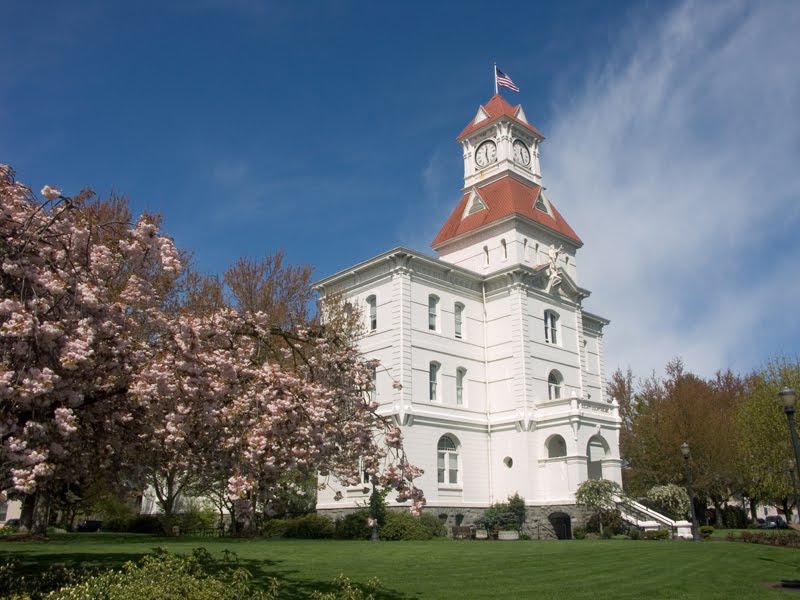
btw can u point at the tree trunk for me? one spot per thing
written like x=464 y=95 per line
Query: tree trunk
x=787 y=510
x=40 y=515
x=717 y=513
x=753 y=510
x=26 y=513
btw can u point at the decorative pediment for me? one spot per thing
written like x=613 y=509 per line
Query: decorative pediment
x=474 y=204
x=562 y=284
x=541 y=202
x=481 y=115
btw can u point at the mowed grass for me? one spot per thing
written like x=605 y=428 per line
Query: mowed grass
x=449 y=569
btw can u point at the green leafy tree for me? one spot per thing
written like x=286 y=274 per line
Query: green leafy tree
x=670 y=498
x=763 y=435
x=598 y=496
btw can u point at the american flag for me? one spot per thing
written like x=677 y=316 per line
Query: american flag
x=504 y=80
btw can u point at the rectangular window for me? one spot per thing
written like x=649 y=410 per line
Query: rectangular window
x=433 y=377
x=433 y=303
x=459 y=311
x=372 y=303
x=550 y=327
x=441 y=468
x=460 y=374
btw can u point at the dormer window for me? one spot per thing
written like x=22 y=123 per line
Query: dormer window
x=475 y=204
x=540 y=203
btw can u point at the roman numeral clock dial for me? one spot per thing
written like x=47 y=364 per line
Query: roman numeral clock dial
x=486 y=153
x=521 y=153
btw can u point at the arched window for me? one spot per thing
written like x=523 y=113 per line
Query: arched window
x=596 y=450
x=433 y=381
x=556 y=447
x=554 y=385
x=372 y=306
x=461 y=378
x=505 y=249
x=433 y=310
x=550 y=327
x=447 y=460
x=458 y=317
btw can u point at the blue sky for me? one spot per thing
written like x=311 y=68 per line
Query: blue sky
x=328 y=129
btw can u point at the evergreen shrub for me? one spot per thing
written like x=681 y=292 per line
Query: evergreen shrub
x=656 y=534
x=403 y=526
x=353 y=527
x=433 y=524
x=612 y=522
x=310 y=526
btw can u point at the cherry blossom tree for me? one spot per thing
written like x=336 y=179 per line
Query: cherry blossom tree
x=103 y=368
x=237 y=415
x=77 y=297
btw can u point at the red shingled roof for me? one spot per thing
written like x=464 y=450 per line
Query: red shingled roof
x=504 y=197
x=498 y=107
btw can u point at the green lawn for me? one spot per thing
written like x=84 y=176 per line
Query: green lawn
x=465 y=570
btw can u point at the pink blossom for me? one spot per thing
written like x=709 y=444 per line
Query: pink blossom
x=50 y=193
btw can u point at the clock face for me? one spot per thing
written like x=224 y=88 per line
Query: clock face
x=486 y=153
x=521 y=153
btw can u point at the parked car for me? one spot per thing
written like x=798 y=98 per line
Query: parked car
x=89 y=526
x=775 y=522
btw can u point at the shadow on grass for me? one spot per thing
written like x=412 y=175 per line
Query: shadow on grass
x=261 y=570
x=302 y=589
x=34 y=564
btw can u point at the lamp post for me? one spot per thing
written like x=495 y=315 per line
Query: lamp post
x=686 y=455
x=791 y=467
x=789 y=399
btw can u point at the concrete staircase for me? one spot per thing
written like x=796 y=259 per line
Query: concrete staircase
x=647 y=519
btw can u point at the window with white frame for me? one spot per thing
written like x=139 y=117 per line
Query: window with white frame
x=447 y=460
x=372 y=307
x=550 y=327
x=374 y=382
x=433 y=381
x=554 y=381
x=433 y=312
x=363 y=475
x=461 y=379
x=458 y=319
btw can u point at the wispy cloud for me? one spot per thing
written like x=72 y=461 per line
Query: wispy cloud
x=677 y=163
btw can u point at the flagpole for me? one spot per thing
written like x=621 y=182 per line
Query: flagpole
x=495 y=79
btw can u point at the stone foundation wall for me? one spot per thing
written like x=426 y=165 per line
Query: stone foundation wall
x=538 y=524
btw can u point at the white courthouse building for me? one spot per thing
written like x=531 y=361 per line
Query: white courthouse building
x=501 y=366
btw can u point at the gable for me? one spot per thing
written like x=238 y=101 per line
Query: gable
x=494 y=110
x=505 y=197
x=474 y=204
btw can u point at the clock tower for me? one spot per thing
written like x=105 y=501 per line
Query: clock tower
x=504 y=217
x=500 y=141
x=489 y=363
